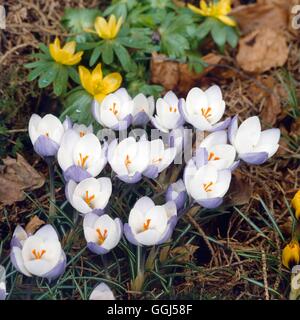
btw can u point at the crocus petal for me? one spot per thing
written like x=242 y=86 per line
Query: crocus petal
x=151 y=172
x=232 y=129
x=45 y=147
x=211 y=203
x=131 y=179
x=268 y=142
x=201 y=157
x=223 y=125
x=17 y=261
x=76 y=173
x=140 y=119
x=123 y=124
x=102 y=292
x=96 y=248
x=32 y=127
x=47 y=232
x=254 y=157
x=58 y=270
x=129 y=235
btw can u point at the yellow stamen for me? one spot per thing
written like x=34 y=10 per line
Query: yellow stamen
x=157 y=160
x=47 y=134
x=101 y=237
x=206 y=112
x=82 y=160
x=127 y=161
x=38 y=255
x=88 y=199
x=147 y=224
x=113 y=109
x=207 y=186
x=82 y=134
x=212 y=157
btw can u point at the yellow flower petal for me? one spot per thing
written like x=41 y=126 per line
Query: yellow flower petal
x=196 y=10
x=227 y=20
x=74 y=59
x=291 y=254
x=296 y=204
x=101 y=27
x=119 y=24
x=112 y=82
x=70 y=47
x=86 y=79
x=203 y=5
x=100 y=97
x=97 y=75
x=112 y=22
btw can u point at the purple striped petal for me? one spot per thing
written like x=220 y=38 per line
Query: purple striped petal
x=234 y=165
x=223 y=125
x=76 y=173
x=45 y=147
x=129 y=235
x=168 y=233
x=179 y=200
x=15 y=242
x=210 y=203
x=232 y=129
x=254 y=157
x=151 y=172
x=140 y=119
x=14 y=261
x=58 y=270
x=96 y=248
x=98 y=212
x=201 y=157
x=131 y=179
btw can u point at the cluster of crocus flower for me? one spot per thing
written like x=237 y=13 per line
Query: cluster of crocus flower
x=82 y=157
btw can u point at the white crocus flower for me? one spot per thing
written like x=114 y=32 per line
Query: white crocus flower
x=149 y=224
x=81 y=157
x=143 y=109
x=81 y=129
x=160 y=158
x=102 y=234
x=39 y=255
x=2 y=283
x=253 y=145
x=219 y=153
x=203 y=109
x=168 y=115
x=45 y=134
x=129 y=158
x=204 y=182
x=115 y=111
x=89 y=195
x=102 y=292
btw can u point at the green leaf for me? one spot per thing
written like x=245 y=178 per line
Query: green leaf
x=74 y=75
x=48 y=77
x=123 y=56
x=60 y=82
x=232 y=36
x=95 y=55
x=204 y=29
x=218 y=33
x=107 y=52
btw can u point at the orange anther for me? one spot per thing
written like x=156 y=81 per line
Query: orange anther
x=82 y=160
x=147 y=224
x=38 y=255
x=206 y=112
x=207 y=186
x=101 y=237
x=88 y=199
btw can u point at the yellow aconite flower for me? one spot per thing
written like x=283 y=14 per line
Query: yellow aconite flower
x=296 y=204
x=291 y=254
x=219 y=10
x=97 y=85
x=65 y=55
x=107 y=29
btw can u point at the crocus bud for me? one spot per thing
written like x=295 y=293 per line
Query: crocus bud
x=291 y=254
x=296 y=204
x=102 y=292
x=45 y=134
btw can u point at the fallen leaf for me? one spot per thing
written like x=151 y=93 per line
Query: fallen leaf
x=33 y=225
x=184 y=254
x=240 y=191
x=262 y=50
x=255 y=16
x=16 y=176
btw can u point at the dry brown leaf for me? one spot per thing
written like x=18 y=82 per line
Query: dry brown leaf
x=17 y=176
x=240 y=191
x=185 y=253
x=262 y=50
x=256 y=16
x=34 y=224
x=178 y=76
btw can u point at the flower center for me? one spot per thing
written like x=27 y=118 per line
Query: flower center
x=147 y=224
x=113 y=109
x=158 y=160
x=82 y=160
x=212 y=156
x=207 y=186
x=127 y=161
x=88 y=199
x=206 y=112
x=47 y=134
x=38 y=254
x=101 y=236
x=173 y=109
x=82 y=134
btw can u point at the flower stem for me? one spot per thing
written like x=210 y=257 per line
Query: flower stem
x=52 y=209
x=105 y=265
